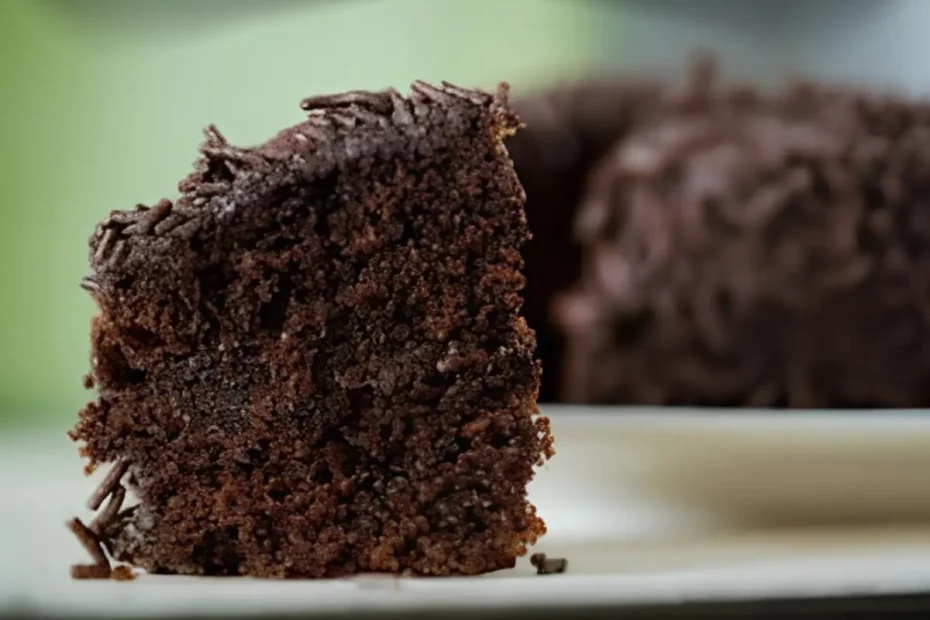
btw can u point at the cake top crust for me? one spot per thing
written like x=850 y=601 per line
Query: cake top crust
x=353 y=129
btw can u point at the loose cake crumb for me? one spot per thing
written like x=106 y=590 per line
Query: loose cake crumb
x=548 y=566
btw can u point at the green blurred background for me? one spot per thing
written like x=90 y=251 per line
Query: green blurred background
x=103 y=103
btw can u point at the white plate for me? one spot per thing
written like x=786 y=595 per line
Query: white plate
x=650 y=507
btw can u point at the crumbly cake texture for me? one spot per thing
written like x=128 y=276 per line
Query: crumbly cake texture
x=743 y=248
x=313 y=364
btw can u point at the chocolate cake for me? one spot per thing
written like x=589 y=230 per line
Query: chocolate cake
x=756 y=250
x=313 y=364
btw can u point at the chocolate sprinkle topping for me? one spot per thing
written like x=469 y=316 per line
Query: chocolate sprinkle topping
x=89 y=284
x=109 y=513
x=89 y=541
x=109 y=484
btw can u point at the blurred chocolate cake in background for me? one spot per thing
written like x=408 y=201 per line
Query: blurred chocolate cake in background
x=568 y=130
x=714 y=245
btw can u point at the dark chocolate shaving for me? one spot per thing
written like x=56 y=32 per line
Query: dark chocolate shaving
x=89 y=541
x=124 y=218
x=401 y=113
x=109 y=484
x=91 y=571
x=89 y=284
x=214 y=136
x=103 y=247
x=171 y=222
x=379 y=101
x=476 y=97
x=152 y=217
x=110 y=511
x=344 y=120
x=120 y=251
x=440 y=95
x=210 y=189
x=238 y=155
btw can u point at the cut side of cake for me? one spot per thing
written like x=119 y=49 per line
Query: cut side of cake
x=313 y=363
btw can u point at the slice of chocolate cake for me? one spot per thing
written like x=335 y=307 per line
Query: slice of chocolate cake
x=313 y=363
